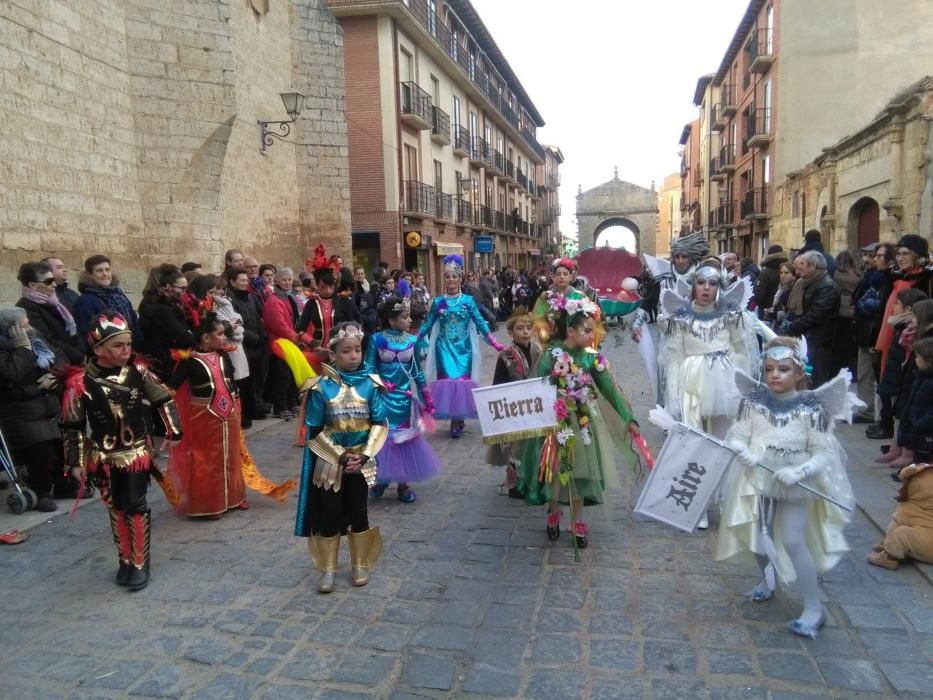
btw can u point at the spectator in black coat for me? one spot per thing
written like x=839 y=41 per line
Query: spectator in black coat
x=769 y=278
x=47 y=314
x=162 y=319
x=813 y=240
x=868 y=301
x=813 y=305
x=66 y=295
x=255 y=342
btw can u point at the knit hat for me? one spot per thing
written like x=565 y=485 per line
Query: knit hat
x=915 y=243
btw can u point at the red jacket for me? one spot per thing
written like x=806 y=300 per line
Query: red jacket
x=279 y=316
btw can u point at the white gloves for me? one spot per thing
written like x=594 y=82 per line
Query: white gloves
x=791 y=475
x=742 y=452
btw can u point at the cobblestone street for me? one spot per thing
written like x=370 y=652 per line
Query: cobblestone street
x=468 y=598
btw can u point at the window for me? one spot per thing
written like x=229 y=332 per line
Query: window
x=438 y=176
x=455 y=114
x=473 y=129
x=766 y=169
x=411 y=163
x=795 y=204
x=432 y=17
x=436 y=90
x=767 y=101
x=405 y=67
x=454 y=42
x=472 y=63
x=769 y=34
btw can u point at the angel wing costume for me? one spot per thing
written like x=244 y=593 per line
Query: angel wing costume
x=778 y=431
x=700 y=350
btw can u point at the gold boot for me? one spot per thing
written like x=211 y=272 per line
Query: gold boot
x=324 y=552
x=365 y=548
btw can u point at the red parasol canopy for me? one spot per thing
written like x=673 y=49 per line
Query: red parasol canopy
x=605 y=268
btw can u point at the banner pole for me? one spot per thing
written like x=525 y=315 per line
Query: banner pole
x=723 y=445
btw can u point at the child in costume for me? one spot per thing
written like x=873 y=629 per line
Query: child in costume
x=206 y=465
x=547 y=307
x=789 y=430
x=392 y=354
x=107 y=439
x=518 y=361
x=453 y=363
x=708 y=335
x=576 y=464
x=346 y=429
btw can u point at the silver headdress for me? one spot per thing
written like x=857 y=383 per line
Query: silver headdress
x=782 y=352
x=349 y=331
x=694 y=246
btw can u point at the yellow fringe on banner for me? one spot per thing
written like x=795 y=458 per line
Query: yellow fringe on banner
x=517 y=435
x=256 y=481
x=296 y=361
x=171 y=495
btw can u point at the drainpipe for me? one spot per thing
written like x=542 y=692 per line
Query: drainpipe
x=926 y=199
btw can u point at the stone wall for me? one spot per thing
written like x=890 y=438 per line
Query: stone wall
x=619 y=202
x=131 y=130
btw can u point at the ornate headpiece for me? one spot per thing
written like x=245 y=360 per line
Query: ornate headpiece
x=349 y=331
x=321 y=266
x=709 y=267
x=106 y=326
x=454 y=263
x=694 y=246
x=404 y=290
x=569 y=263
x=783 y=352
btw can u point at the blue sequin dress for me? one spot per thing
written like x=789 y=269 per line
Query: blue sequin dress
x=453 y=363
x=406 y=455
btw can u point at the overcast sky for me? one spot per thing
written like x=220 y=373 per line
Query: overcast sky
x=613 y=79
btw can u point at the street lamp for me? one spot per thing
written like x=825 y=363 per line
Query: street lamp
x=294 y=101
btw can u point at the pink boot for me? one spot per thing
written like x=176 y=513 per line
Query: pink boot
x=890 y=455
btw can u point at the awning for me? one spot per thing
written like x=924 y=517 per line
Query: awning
x=448 y=248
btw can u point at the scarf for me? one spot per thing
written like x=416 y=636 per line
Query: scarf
x=795 y=302
x=45 y=358
x=53 y=301
x=114 y=299
x=901 y=318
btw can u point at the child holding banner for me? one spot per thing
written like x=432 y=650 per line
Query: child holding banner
x=516 y=362
x=783 y=436
x=392 y=354
x=576 y=463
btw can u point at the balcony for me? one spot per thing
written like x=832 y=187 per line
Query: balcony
x=482 y=216
x=496 y=163
x=420 y=201
x=461 y=141
x=522 y=178
x=698 y=176
x=416 y=106
x=498 y=221
x=717 y=120
x=553 y=180
x=440 y=126
x=755 y=204
x=715 y=175
x=684 y=168
x=509 y=171
x=464 y=211
x=550 y=215
x=727 y=101
x=725 y=215
x=726 y=160
x=761 y=50
x=758 y=128
x=443 y=207
x=480 y=153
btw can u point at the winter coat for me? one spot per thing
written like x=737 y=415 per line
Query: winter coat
x=249 y=307
x=28 y=415
x=891 y=381
x=868 y=302
x=818 y=247
x=846 y=283
x=164 y=328
x=49 y=324
x=67 y=296
x=223 y=307
x=915 y=431
x=279 y=316
x=820 y=307
x=93 y=300
x=769 y=279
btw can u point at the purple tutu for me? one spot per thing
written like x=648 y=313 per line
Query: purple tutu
x=453 y=398
x=412 y=460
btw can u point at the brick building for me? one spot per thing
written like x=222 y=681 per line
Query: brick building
x=443 y=148
x=130 y=128
x=692 y=177
x=548 y=204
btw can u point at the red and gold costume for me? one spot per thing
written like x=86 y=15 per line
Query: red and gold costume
x=104 y=424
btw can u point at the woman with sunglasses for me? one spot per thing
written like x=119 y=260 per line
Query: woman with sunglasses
x=46 y=313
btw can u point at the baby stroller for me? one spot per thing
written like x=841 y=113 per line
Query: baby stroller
x=22 y=498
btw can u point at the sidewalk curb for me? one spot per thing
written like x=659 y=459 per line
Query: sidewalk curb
x=925 y=570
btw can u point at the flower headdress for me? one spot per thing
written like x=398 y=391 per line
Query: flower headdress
x=569 y=263
x=454 y=263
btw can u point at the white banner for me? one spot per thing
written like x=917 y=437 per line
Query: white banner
x=684 y=479
x=516 y=410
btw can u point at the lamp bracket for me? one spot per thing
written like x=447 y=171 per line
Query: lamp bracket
x=266 y=135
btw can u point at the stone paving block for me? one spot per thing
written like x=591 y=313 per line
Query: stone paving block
x=555 y=649
x=617 y=689
x=363 y=668
x=280 y=691
x=414 y=590
x=207 y=652
x=497 y=537
x=514 y=617
x=484 y=679
x=852 y=674
x=616 y=624
x=835 y=642
x=456 y=613
x=514 y=594
x=522 y=573
x=790 y=667
x=236 y=660
x=361 y=607
x=621 y=655
x=553 y=683
x=309 y=665
x=659 y=626
x=437 y=636
x=738 y=692
x=663 y=689
x=921 y=618
x=407 y=611
x=890 y=646
x=117 y=674
x=879 y=617
x=669 y=657
x=428 y=671
x=560 y=597
x=468 y=590
x=774 y=638
x=909 y=678
x=384 y=637
x=731 y=662
x=335 y=694
x=262 y=666
x=559 y=621
x=499 y=648
x=165 y=681
x=227 y=687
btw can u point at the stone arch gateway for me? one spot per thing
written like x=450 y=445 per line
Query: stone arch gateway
x=618 y=202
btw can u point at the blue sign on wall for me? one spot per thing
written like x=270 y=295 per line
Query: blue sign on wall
x=482 y=244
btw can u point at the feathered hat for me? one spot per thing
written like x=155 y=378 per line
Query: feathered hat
x=107 y=325
x=320 y=266
x=694 y=246
x=453 y=263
